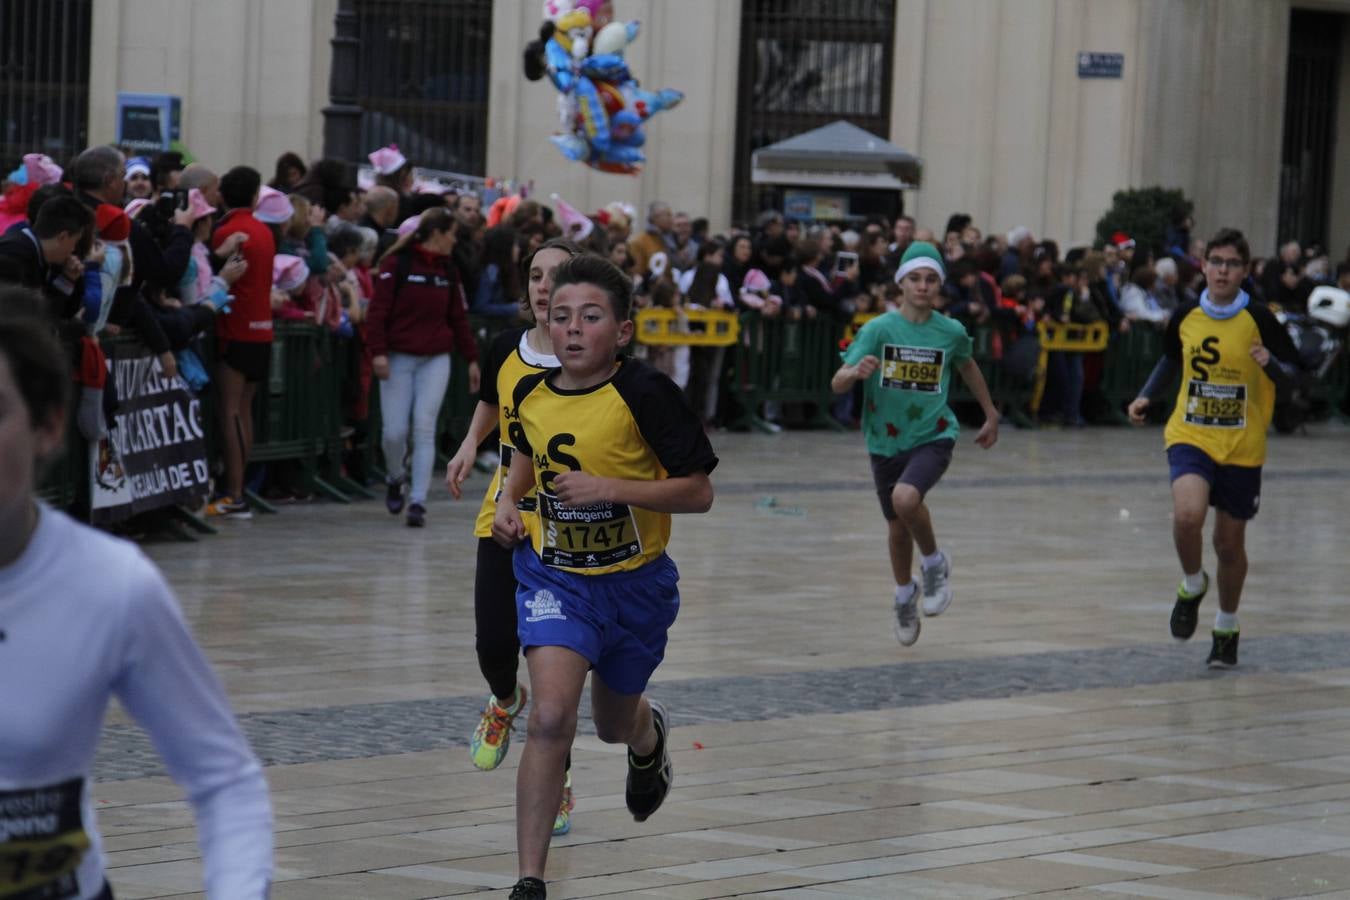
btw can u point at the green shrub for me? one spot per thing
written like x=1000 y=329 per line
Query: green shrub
x=1144 y=214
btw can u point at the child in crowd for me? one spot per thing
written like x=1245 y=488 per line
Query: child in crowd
x=613 y=450
x=290 y=283
x=756 y=294
x=905 y=360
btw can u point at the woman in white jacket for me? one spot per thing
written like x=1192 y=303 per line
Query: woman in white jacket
x=85 y=617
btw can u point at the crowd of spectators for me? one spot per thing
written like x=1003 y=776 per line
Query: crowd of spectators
x=181 y=255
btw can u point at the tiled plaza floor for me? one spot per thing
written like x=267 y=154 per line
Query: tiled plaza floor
x=1045 y=735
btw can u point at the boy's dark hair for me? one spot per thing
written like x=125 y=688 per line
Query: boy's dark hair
x=571 y=248
x=239 y=187
x=1342 y=268
x=344 y=240
x=1231 y=237
x=960 y=268
x=958 y=222
x=600 y=272
x=664 y=294
x=779 y=246
x=62 y=213
x=164 y=164
x=36 y=361
x=40 y=198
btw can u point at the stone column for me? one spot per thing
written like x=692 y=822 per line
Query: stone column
x=342 y=117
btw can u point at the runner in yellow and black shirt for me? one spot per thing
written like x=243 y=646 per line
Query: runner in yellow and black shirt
x=515 y=353
x=615 y=450
x=1233 y=356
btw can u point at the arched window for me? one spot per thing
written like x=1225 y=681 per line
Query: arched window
x=804 y=64
x=44 y=78
x=423 y=80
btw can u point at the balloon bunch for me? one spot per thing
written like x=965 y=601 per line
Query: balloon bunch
x=600 y=105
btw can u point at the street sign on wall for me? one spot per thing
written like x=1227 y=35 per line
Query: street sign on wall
x=1100 y=65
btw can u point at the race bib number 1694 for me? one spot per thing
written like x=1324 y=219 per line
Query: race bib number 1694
x=912 y=368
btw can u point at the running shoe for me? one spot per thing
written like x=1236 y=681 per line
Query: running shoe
x=562 y=822
x=393 y=496
x=647 y=787
x=1223 y=655
x=227 y=507
x=1186 y=611
x=937 y=590
x=907 y=622
x=492 y=737
x=529 y=889
x=417 y=515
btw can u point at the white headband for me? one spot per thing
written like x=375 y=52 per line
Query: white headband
x=920 y=262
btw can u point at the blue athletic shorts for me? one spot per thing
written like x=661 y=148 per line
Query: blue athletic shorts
x=1234 y=489
x=618 y=621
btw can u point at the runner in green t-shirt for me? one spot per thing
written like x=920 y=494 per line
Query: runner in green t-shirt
x=905 y=361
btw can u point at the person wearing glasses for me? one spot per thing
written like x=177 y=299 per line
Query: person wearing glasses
x=1233 y=356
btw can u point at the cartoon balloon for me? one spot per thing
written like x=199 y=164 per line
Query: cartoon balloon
x=601 y=107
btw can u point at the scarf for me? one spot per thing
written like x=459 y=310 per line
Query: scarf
x=1226 y=311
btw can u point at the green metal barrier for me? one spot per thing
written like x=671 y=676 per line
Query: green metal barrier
x=1130 y=358
x=1009 y=394
x=781 y=361
x=297 y=415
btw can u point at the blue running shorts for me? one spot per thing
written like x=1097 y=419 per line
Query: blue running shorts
x=617 y=621
x=1234 y=489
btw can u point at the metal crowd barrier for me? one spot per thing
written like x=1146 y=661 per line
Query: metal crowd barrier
x=299 y=414
x=659 y=327
x=1060 y=337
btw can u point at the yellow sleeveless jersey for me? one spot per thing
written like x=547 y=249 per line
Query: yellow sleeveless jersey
x=635 y=426
x=1225 y=401
x=509 y=359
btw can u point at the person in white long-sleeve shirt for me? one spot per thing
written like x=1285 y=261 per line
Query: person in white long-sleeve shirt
x=85 y=617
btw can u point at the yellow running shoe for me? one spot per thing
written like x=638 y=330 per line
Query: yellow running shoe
x=562 y=822
x=492 y=737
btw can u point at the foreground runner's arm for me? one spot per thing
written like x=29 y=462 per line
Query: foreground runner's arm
x=1162 y=375
x=1275 y=352
x=480 y=426
x=691 y=493
x=974 y=379
x=170 y=690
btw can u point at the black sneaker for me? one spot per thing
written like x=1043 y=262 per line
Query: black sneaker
x=529 y=889
x=1186 y=612
x=417 y=515
x=648 y=787
x=1223 y=655
x=393 y=496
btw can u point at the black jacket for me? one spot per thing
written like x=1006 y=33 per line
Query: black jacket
x=22 y=263
x=153 y=266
